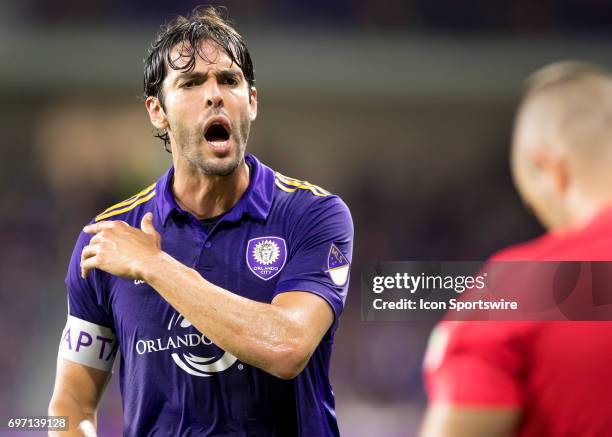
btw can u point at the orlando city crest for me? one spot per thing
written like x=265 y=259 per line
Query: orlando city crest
x=266 y=256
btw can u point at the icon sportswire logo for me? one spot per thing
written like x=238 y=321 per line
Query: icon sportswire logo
x=192 y=351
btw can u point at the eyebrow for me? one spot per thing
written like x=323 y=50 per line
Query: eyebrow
x=190 y=75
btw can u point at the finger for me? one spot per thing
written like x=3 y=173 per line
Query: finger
x=97 y=239
x=87 y=265
x=146 y=224
x=85 y=253
x=94 y=228
x=89 y=251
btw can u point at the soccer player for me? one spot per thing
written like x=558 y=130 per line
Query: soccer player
x=220 y=284
x=540 y=378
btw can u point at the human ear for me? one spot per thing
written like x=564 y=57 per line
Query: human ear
x=554 y=168
x=252 y=103
x=157 y=115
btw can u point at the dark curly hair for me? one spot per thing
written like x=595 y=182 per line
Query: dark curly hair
x=203 y=23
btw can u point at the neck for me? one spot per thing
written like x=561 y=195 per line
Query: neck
x=207 y=196
x=584 y=208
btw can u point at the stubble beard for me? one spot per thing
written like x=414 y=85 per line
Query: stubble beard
x=189 y=143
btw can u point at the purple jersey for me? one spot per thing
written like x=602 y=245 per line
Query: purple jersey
x=283 y=235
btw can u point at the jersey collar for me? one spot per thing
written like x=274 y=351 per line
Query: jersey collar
x=255 y=202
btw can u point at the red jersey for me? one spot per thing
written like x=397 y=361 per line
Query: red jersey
x=558 y=373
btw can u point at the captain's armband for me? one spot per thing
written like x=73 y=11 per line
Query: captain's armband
x=87 y=343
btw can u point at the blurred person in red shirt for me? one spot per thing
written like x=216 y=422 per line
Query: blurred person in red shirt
x=530 y=378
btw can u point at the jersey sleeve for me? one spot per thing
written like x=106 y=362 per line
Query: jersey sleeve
x=475 y=364
x=320 y=253
x=89 y=335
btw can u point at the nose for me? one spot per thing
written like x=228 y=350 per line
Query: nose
x=213 y=95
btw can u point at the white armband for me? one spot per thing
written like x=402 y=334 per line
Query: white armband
x=87 y=343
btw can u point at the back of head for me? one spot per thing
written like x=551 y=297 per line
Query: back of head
x=562 y=145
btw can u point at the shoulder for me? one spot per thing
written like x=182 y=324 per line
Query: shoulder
x=592 y=241
x=531 y=250
x=574 y=245
x=293 y=185
x=307 y=199
x=131 y=209
x=309 y=212
x=487 y=341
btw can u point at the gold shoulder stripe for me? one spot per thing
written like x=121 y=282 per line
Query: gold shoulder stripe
x=282 y=187
x=302 y=184
x=290 y=185
x=127 y=208
x=131 y=199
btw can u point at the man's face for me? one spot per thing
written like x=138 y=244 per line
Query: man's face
x=208 y=111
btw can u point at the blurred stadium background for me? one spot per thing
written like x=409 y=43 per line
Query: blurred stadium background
x=404 y=108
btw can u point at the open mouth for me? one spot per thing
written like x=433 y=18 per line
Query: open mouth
x=217 y=132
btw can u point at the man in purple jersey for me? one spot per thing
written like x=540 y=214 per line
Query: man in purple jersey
x=221 y=284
